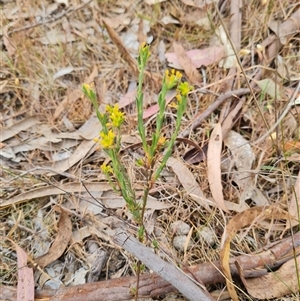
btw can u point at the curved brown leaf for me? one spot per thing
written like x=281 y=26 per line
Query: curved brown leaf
x=60 y=243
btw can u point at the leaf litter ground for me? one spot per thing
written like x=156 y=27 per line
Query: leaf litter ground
x=49 y=49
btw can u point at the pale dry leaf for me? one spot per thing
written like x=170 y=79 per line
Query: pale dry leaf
x=187 y=64
x=199 y=3
x=56 y=37
x=242 y=158
x=34 y=93
x=18 y=127
x=50 y=190
x=197 y=16
x=8 y=153
x=62 y=72
x=41 y=244
x=90 y=129
x=168 y=19
x=131 y=139
x=112 y=200
x=119 y=22
x=65 y=2
x=238 y=222
x=230 y=60
x=269 y=87
x=69 y=99
x=187 y=180
x=43 y=143
x=92 y=76
x=275 y=284
x=60 y=243
x=142 y=31
x=282 y=67
x=279 y=30
x=189 y=2
x=100 y=229
x=58 y=142
x=151 y=2
x=128 y=98
x=199 y=57
x=136 y=35
x=85 y=147
x=161 y=49
x=25 y=287
x=79 y=235
x=51 y=278
x=214 y=166
x=155 y=108
x=88 y=203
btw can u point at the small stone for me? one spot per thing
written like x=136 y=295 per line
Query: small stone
x=180 y=228
x=180 y=241
x=208 y=235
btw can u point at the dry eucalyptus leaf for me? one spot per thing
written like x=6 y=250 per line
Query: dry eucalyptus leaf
x=242 y=158
x=155 y=108
x=60 y=243
x=238 y=222
x=51 y=190
x=25 y=287
x=18 y=127
x=214 y=167
x=187 y=64
x=152 y=2
x=230 y=60
x=55 y=36
x=188 y=181
x=269 y=87
x=198 y=57
x=275 y=284
x=112 y=200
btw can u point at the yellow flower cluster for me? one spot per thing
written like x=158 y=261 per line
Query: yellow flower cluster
x=184 y=88
x=89 y=91
x=115 y=115
x=108 y=139
x=172 y=78
x=106 y=169
x=116 y=118
x=144 y=51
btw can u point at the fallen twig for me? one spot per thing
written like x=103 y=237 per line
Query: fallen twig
x=153 y=285
x=211 y=108
x=169 y=272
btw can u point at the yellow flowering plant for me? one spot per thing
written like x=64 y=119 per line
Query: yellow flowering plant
x=154 y=161
x=157 y=152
